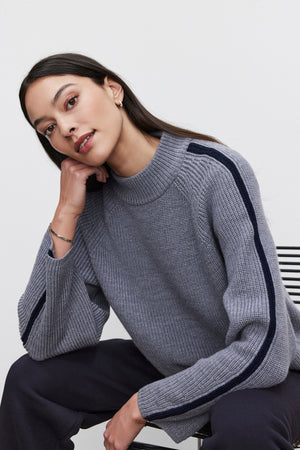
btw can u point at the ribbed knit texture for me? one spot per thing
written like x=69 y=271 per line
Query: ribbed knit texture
x=183 y=254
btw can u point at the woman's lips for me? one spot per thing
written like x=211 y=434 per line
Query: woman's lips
x=84 y=142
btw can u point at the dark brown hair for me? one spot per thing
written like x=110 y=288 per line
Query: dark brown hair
x=80 y=65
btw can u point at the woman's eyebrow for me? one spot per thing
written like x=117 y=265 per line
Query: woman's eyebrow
x=55 y=99
x=60 y=90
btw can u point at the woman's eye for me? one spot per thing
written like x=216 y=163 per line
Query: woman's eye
x=72 y=102
x=49 y=130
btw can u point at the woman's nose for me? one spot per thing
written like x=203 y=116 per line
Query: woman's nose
x=67 y=128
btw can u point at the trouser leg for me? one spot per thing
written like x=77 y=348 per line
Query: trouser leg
x=255 y=419
x=46 y=402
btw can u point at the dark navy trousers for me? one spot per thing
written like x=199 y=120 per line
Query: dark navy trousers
x=46 y=402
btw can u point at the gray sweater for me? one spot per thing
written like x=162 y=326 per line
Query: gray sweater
x=182 y=253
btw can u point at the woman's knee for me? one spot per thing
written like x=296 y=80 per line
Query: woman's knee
x=239 y=420
x=237 y=438
x=21 y=375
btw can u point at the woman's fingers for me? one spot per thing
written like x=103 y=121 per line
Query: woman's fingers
x=73 y=165
x=104 y=170
x=73 y=180
x=102 y=174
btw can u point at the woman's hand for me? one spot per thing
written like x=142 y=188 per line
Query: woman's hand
x=73 y=180
x=124 y=426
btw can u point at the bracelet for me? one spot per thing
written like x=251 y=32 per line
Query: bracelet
x=60 y=237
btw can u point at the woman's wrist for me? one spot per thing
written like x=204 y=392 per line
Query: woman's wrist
x=64 y=223
x=62 y=229
x=64 y=215
x=137 y=416
x=70 y=241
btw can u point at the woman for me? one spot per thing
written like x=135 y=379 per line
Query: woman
x=166 y=227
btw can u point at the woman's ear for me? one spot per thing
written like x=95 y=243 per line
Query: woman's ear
x=114 y=88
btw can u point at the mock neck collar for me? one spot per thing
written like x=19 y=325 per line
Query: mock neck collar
x=154 y=179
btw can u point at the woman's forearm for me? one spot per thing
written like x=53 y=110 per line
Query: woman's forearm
x=63 y=225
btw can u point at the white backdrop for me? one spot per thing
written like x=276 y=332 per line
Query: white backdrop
x=226 y=68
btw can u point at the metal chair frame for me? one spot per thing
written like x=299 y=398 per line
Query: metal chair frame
x=289 y=264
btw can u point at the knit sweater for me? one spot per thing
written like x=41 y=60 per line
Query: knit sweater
x=183 y=254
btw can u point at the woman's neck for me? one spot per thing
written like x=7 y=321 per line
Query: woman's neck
x=133 y=152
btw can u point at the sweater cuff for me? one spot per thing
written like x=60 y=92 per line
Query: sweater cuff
x=146 y=401
x=178 y=428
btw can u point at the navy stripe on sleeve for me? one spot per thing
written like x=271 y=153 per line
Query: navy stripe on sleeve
x=33 y=317
x=256 y=362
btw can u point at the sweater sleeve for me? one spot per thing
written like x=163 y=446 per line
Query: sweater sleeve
x=63 y=307
x=258 y=347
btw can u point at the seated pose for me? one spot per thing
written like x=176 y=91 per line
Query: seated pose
x=166 y=227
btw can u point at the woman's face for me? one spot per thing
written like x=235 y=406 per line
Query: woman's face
x=80 y=118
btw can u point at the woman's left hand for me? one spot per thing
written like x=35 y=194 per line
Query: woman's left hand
x=124 y=426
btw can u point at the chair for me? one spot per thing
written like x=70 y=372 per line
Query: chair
x=289 y=263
